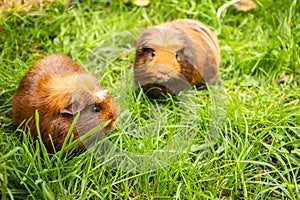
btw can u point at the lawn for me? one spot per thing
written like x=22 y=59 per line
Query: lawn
x=155 y=150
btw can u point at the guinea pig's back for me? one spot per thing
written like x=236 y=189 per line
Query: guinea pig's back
x=25 y=97
x=52 y=64
x=58 y=64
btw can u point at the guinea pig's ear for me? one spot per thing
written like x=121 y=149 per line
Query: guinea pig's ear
x=73 y=107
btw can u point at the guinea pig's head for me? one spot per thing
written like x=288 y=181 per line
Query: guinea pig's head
x=65 y=96
x=164 y=59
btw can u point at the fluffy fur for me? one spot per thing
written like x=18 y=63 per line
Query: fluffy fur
x=176 y=55
x=59 y=88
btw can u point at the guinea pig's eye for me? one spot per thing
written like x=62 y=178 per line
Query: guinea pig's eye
x=179 y=54
x=149 y=52
x=153 y=53
x=95 y=109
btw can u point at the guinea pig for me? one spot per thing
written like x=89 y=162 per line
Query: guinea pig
x=58 y=88
x=176 y=55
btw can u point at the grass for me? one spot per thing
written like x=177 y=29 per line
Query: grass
x=257 y=155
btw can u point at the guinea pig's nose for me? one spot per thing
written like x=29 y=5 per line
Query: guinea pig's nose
x=166 y=61
x=115 y=112
x=165 y=69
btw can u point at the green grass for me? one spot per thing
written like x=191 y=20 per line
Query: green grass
x=257 y=155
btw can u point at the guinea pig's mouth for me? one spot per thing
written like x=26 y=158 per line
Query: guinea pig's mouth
x=151 y=78
x=172 y=85
x=95 y=136
x=161 y=78
x=155 y=73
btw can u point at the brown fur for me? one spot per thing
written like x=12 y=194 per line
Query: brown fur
x=59 y=88
x=176 y=55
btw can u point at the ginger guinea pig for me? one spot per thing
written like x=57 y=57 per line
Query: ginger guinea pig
x=176 y=55
x=59 y=88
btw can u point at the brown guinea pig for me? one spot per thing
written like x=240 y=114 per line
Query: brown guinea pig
x=173 y=56
x=59 y=88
